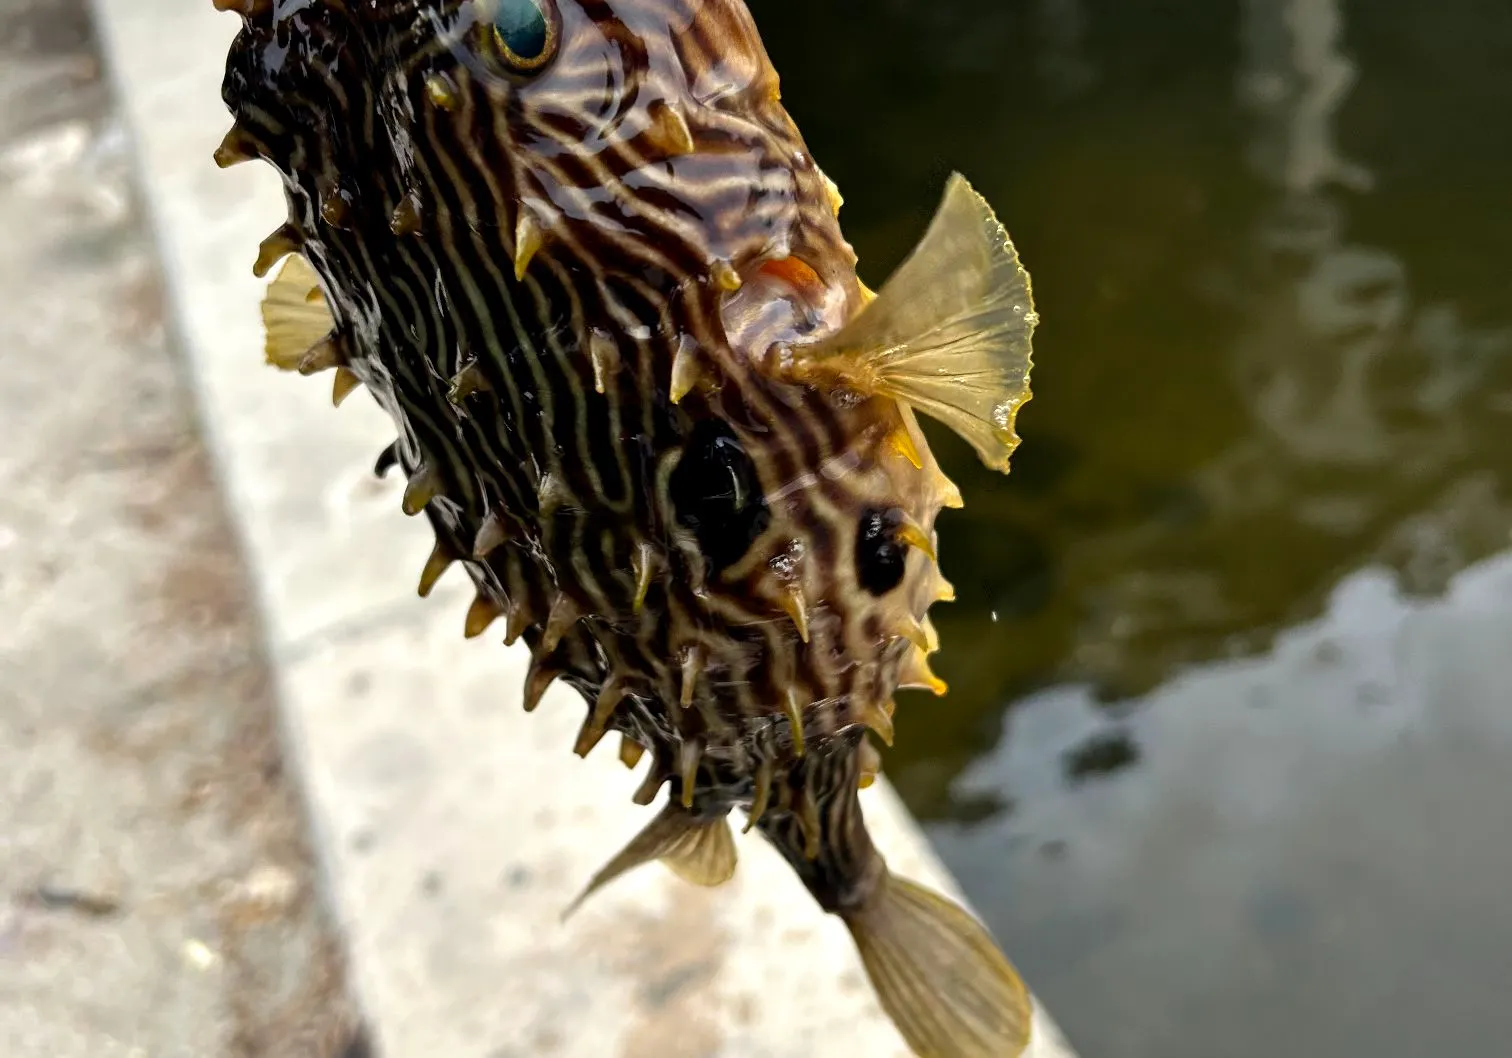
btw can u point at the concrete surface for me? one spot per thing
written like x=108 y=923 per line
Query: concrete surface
x=154 y=877
x=452 y=827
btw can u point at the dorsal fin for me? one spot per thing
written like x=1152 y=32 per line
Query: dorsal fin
x=949 y=333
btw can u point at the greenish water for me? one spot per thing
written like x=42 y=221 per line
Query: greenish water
x=1270 y=245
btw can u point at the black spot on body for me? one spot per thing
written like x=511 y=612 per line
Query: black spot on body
x=879 y=556
x=717 y=494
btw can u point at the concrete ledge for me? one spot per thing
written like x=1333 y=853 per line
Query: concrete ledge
x=452 y=826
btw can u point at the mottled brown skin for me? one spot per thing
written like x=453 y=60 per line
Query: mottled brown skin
x=397 y=116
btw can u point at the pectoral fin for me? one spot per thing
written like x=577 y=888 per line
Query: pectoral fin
x=295 y=315
x=701 y=851
x=949 y=333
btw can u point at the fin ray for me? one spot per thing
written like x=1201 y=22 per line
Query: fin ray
x=939 y=975
x=949 y=333
x=294 y=324
x=700 y=851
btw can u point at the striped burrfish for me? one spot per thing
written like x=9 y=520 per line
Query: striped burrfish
x=580 y=253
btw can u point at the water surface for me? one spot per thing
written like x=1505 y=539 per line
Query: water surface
x=1226 y=758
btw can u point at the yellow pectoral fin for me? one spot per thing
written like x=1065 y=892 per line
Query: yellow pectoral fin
x=949 y=333
x=295 y=314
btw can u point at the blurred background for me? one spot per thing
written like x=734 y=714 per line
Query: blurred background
x=1227 y=757
x=157 y=891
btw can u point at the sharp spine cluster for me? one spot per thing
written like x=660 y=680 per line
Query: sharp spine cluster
x=669 y=132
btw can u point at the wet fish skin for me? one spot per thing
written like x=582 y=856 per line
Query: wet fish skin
x=937 y=971
x=581 y=255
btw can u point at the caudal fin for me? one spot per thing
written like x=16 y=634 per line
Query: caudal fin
x=939 y=975
x=701 y=851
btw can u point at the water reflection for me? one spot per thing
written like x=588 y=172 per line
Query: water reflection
x=1270 y=243
x=1390 y=400
x=1273 y=349
x=1306 y=860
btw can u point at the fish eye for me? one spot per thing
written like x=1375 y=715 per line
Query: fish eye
x=521 y=34
x=717 y=494
x=879 y=554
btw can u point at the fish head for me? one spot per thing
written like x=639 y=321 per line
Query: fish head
x=647 y=135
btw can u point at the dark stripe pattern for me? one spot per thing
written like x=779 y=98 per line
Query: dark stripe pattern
x=656 y=168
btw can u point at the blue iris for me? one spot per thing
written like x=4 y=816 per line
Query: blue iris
x=522 y=29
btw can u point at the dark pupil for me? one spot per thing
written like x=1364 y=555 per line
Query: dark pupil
x=879 y=558
x=717 y=495
x=521 y=27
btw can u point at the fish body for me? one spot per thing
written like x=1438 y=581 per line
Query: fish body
x=580 y=253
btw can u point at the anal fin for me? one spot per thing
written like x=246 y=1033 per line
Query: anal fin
x=701 y=851
x=939 y=975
